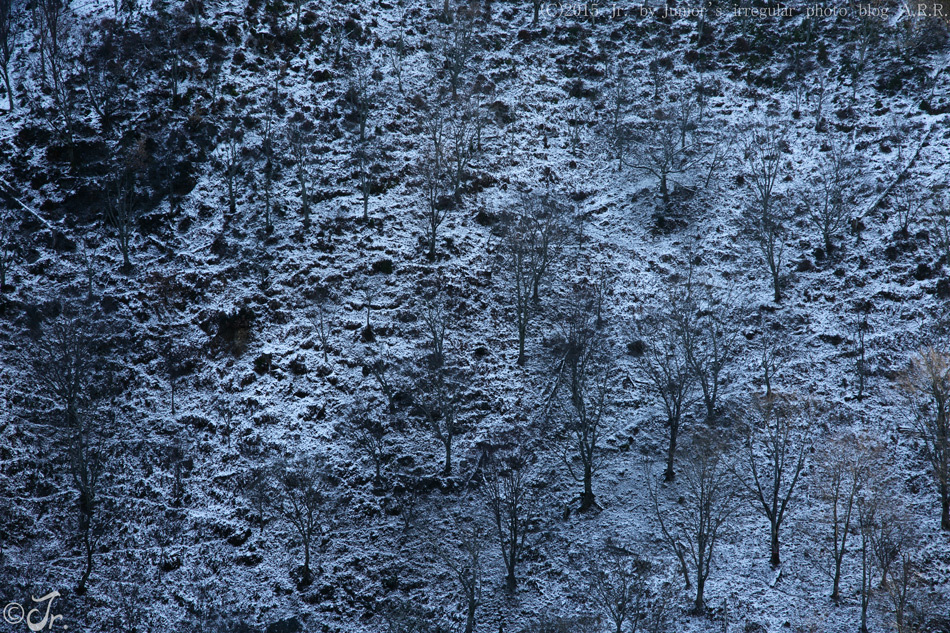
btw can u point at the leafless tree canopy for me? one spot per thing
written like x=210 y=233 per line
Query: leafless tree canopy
x=303 y=503
x=766 y=217
x=620 y=589
x=512 y=507
x=776 y=447
x=927 y=386
x=8 y=33
x=691 y=534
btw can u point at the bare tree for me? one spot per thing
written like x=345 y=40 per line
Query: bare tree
x=435 y=316
x=122 y=211
x=831 y=201
x=396 y=52
x=845 y=463
x=65 y=361
x=6 y=257
x=766 y=217
x=299 y=137
x=869 y=506
x=340 y=32
x=772 y=356
x=463 y=128
x=663 y=363
x=176 y=69
x=819 y=90
x=104 y=75
x=892 y=533
x=511 y=506
x=257 y=485
x=9 y=29
x=585 y=373
x=536 y=7
x=466 y=566
x=195 y=8
x=438 y=401
x=370 y=289
x=660 y=64
x=269 y=170
x=542 y=220
x=226 y=409
x=867 y=34
x=52 y=30
x=619 y=588
x=457 y=47
x=88 y=460
x=318 y=319
x=434 y=183
x=303 y=503
x=69 y=366
x=692 y=530
x=577 y=121
x=904 y=593
x=710 y=336
x=668 y=144
x=866 y=520
x=883 y=534
x=298 y=7
x=361 y=99
x=908 y=202
x=775 y=457
x=926 y=384
x=520 y=274
x=368 y=435
x=229 y=159
x=380 y=365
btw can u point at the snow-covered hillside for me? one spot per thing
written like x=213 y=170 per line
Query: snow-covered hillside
x=266 y=268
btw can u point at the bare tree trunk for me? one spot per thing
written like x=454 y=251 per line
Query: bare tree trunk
x=668 y=474
x=700 y=604
x=6 y=81
x=87 y=544
x=511 y=583
x=470 y=618
x=307 y=576
x=232 y=204
x=365 y=187
x=775 y=560
x=587 y=499
x=835 y=593
x=776 y=283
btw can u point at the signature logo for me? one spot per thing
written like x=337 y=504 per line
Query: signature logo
x=16 y=613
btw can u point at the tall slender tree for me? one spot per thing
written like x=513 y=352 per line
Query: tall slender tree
x=776 y=447
x=926 y=384
x=9 y=29
x=693 y=530
x=511 y=505
x=766 y=217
